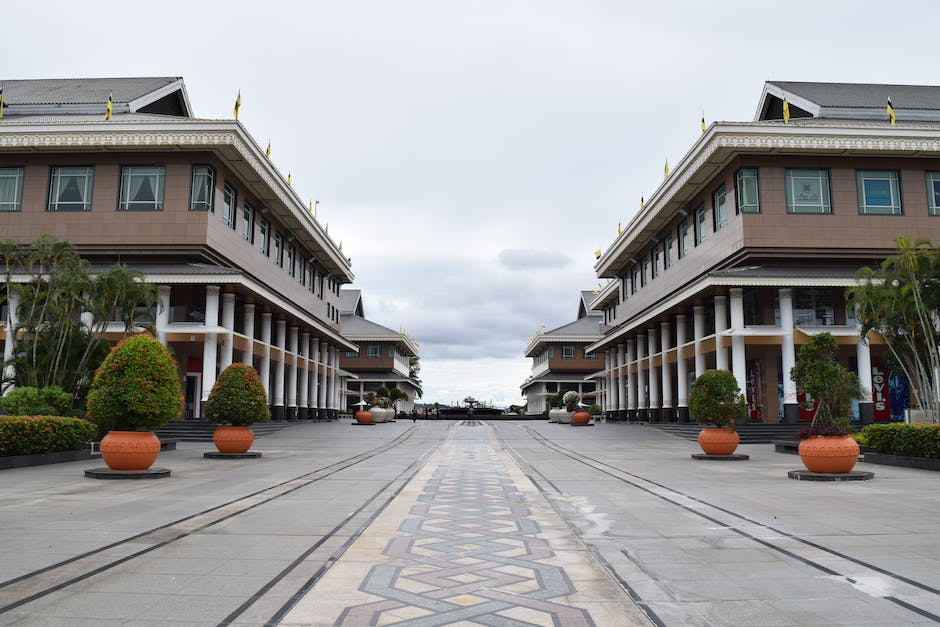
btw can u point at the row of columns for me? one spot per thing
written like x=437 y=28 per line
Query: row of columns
x=635 y=388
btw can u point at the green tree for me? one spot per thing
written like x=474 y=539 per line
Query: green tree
x=716 y=398
x=900 y=300
x=832 y=385
x=414 y=367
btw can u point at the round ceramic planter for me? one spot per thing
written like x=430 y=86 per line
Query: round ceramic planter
x=553 y=414
x=129 y=450
x=581 y=418
x=364 y=417
x=564 y=417
x=229 y=439
x=718 y=440
x=829 y=453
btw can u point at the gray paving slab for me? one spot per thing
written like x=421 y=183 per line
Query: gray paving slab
x=621 y=508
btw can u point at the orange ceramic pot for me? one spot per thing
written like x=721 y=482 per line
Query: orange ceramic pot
x=581 y=417
x=129 y=450
x=829 y=453
x=364 y=417
x=229 y=439
x=718 y=440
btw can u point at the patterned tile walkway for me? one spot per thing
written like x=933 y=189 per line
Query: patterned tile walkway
x=471 y=542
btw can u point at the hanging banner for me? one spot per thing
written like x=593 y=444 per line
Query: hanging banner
x=880 y=394
x=755 y=394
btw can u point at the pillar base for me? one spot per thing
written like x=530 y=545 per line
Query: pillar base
x=683 y=413
x=278 y=413
x=654 y=414
x=866 y=413
x=621 y=415
x=791 y=413
x=631 y=415
x=292 y=413
x=302 y=413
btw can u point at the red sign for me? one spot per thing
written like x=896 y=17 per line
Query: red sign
x=880 y=395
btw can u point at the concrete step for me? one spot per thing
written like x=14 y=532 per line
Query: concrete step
x=749 y=433
x=201 y=431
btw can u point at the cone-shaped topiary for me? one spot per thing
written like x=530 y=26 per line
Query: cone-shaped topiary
x=136 y=386
x=238 y=398
x=717 y=399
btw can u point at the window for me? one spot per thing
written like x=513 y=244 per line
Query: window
x=654 y=262
x=374 y=351
x=878 y=192
x=313 y=277
x=320 y=287
x=202 y=190
x=70 y=188
x=11 y=189
x=644 y=271
x=667 y=251
x=634 y=279
x=391 y=351
x=807 y=191
x=302 y=264
x=352 y=354
x=264 y=234
x=142 y=188
x=228 y=205
x=748 y=191
x=278 y=249
x=683 y=234
x=567 y=352
x=933 y=193
x=248 y=223
x=719 y=208
x=590 y=355
x=290 y=260
x=699 y=224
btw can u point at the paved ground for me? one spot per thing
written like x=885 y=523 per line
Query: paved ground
x=469 y=523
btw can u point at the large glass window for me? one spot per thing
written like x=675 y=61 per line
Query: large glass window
x=278 y=249
x=70 y=188
x=807 y=191
x=700 y=233
x=142 y=188
x=202 y=191
x=667 y=251
x=747 y=189
x=878 y=192
x=683 y=233
x=290 y=260
x=229 y=197
x=644 y=271
x=567 y=352
x=264 y=234
x=248 y=223
x=933 y=193
x=720 y=208
x=11 y=189
x=374 y=351
x=634 y=279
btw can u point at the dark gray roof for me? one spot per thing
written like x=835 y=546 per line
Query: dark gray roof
x=587 y=326
x=62 y=91
x=354 y=326
x=350 y=302
x=770 y=272
x=865 y=95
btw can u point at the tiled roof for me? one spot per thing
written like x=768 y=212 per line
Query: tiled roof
x=769 y=272
x=865 y=95
x=65 y=91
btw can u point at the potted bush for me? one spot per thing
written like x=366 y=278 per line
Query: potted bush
x=363 y=415
x=716 y=400
x=236 y=402
x=579 y=414
x=135 y=389
x=557 y=412
x=827 y=445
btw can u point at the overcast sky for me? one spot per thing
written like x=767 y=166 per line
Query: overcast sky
x=472 y=155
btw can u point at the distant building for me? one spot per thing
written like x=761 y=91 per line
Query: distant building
x=560 y=361
x=746 y=248
x=383 y=358
x=245 y=272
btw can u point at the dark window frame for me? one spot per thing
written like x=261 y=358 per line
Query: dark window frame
x=192 y=184
x=86 y=205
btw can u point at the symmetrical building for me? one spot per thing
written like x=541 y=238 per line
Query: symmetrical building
x=383 y=358
x=746 y=248
x=560 y=361
x=245 y=272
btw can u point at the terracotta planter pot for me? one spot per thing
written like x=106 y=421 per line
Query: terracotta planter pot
x=230 y=439
x=718 y=440
x=364 y=417
x=829 y=453
x=581 y=418
x=130 y=450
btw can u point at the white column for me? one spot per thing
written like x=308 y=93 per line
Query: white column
x=622 y=378
x=249 y=354
x=641 y=398
x=721 y=324
x=163 y=312
x=682 y=367
x=265 y=372
x=863 y=350
x=653 y=380
x=698 y=329
x=787 y=351
x=304 y=372
x=606 y=380
x=209 y=343
x=334 y=360
x=314 y=376
x=738 y=359
x=228 y=321
x=9 y=373
x=324 y=356
x=612 y=380
x=666 y=370
x=281 y=342
x=292 y=373
x=631 y=374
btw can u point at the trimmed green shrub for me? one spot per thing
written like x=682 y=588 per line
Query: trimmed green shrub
x=903 y=439
x=31 y=401
x=238 y=398
x=595 y=410
x=29 y=435
x=136 y=386
x=716 y=399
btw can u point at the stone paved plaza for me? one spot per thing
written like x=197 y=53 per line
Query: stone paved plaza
x=468 y=523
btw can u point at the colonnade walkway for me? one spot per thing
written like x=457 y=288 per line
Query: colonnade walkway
x=468 y=522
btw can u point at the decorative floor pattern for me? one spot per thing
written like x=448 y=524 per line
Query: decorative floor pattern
x=467 y=553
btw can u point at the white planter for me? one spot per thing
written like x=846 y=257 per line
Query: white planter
x=378 y=414
x=564 y=418
x=553 y=414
